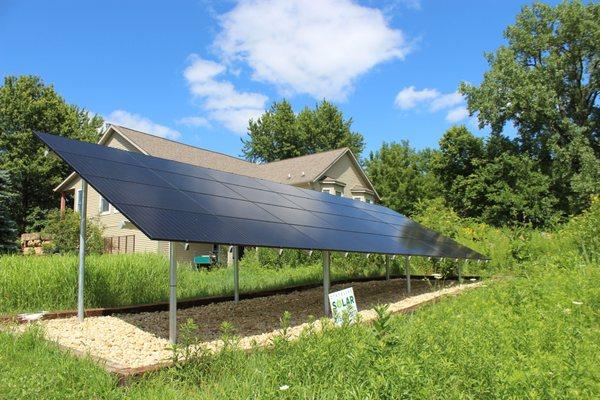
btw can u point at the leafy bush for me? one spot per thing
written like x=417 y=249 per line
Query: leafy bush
x=583 y=232
x=64 y=230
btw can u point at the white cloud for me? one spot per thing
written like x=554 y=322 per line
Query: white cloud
x=433 y=101
x=220 y=99
x=414 y=4
x=446 y=101
x=303 y=46
x=409 y=98
x=194 y=121
x=137 y=122
x=457 y=114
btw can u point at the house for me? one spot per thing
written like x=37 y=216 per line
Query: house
x=336 y=172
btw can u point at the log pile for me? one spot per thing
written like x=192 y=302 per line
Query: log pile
x=34 y=243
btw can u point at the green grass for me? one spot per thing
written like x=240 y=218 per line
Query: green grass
x=34 y=283
x=32 y=368
x=521 y=337
x=534 y=334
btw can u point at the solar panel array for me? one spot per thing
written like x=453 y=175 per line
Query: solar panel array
x=174 y=201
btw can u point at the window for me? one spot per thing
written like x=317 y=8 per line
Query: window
x=79 y=201
x=104 y=206
x=326 y=190
x=359 y=198
x=369 y=201
x=338 y=193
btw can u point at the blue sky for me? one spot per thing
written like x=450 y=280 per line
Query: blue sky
x=195 y=71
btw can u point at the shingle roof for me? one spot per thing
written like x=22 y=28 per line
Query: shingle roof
x=172 y=150
x=299 y=169
x=293 y=171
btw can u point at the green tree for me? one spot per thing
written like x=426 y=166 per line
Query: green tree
x=489 y=180
x=8 y=228
x=545 y=82
x=402 y=176
x=28 y=105
x=459 y=155
x=508 y=190
x=279 y=133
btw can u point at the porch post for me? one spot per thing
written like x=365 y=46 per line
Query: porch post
x=63 y=204
x=236 y=274
x=460 y=280
x=407 y=272
x=172 y=294
x=326 y=281
x=82 y=220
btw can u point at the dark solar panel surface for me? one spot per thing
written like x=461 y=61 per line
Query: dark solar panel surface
x=173 y=201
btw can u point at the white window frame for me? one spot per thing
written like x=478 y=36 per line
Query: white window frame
x=100 y=203
x=359 y=198
x=326 y=190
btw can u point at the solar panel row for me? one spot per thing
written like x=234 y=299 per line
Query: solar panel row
x=169 y=200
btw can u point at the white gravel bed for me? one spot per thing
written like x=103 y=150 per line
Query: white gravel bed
x=139 y=340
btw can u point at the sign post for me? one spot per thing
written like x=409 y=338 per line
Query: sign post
x=343 y=306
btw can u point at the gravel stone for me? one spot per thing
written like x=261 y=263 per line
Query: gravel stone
x=141 y=340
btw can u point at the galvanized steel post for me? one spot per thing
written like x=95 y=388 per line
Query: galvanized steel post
x=407 y=272
x=460 y=280
x=80 y=276
x=236 y=274
x=387 y=268
x=172 y=294
x=326 y=281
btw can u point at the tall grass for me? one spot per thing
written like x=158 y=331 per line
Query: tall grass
x=34 y=283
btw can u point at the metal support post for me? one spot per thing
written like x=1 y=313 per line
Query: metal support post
x=236 y=274
x=80 y=276
x=172 y=294
x=387 y=268
x=407 y=272
x=326 y=281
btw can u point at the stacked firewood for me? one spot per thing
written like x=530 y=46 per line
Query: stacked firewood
x=34 y=243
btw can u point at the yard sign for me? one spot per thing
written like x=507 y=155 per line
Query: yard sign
x=343 y=303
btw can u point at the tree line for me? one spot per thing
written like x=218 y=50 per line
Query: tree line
x=544 y=82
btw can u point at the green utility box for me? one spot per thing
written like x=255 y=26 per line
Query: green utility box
x=204 y=261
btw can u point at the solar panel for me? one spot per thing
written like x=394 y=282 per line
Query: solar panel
x=173 y=201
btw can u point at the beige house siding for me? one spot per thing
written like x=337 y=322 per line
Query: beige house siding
x=344 y=170
x=112 y=220
x=118 y=142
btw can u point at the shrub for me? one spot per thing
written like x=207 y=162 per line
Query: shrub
x=583 y=232
x=64 y=230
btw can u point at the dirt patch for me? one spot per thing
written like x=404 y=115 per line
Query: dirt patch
x=255 y=316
